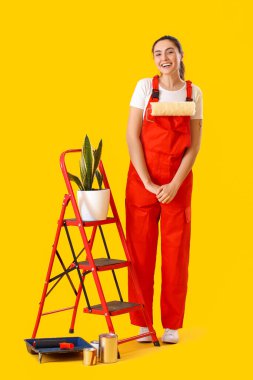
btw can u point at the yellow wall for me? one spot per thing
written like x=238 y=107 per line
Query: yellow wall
x=69 y=68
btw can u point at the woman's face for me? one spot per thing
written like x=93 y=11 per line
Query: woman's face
x=167 y=57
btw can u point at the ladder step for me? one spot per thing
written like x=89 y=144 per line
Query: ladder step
x=115 y=308
x=74 y=222
x=103 y=264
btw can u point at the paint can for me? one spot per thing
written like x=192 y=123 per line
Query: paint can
x=90 y=356
x=108 y=348
x=95 y=343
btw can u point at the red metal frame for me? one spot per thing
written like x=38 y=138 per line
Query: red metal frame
x=70 y=197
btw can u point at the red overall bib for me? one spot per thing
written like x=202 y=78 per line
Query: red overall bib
x=164 y=140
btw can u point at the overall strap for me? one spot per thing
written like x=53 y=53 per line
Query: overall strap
x=155 y=88
x=189 y=91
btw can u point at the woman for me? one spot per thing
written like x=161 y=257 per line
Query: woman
x=162 y=152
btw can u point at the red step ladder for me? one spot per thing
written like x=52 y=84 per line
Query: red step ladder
x=91 y=265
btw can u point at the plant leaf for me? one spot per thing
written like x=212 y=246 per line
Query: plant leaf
x=97 y=155
x=88 y=157
x=76 y=180
x=83 y=171
x=99 y=179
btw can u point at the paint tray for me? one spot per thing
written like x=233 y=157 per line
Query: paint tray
x=52 y=346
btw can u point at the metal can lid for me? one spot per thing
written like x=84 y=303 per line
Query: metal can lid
x=108 y=335
x=89 y=349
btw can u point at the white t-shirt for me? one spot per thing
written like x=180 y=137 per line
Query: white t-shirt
x=143 y=91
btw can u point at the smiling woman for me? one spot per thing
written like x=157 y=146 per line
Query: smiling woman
x=163 y=136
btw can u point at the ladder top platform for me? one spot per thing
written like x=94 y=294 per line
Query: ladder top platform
x=74 y=222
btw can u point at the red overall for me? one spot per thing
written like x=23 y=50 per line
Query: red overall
x=164 y=140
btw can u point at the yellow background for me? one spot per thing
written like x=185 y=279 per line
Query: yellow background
x=69 y=68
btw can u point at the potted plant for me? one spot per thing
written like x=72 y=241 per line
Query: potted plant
x=93 y=203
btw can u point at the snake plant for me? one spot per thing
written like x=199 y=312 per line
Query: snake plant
x=88 y=166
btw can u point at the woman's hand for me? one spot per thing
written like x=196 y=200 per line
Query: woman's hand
x=152 y=187
x=167 y=192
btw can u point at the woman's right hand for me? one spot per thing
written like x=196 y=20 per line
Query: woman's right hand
x=152 y=187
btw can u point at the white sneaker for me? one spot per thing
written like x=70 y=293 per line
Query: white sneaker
x=144 y=339
x=170 y=336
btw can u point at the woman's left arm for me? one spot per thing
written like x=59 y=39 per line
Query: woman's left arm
x=167 y=192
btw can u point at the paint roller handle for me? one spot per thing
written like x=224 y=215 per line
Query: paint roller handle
x=66 y=346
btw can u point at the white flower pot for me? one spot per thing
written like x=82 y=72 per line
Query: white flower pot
x=93 y=204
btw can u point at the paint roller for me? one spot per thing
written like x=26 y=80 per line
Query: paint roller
x=173 y=108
